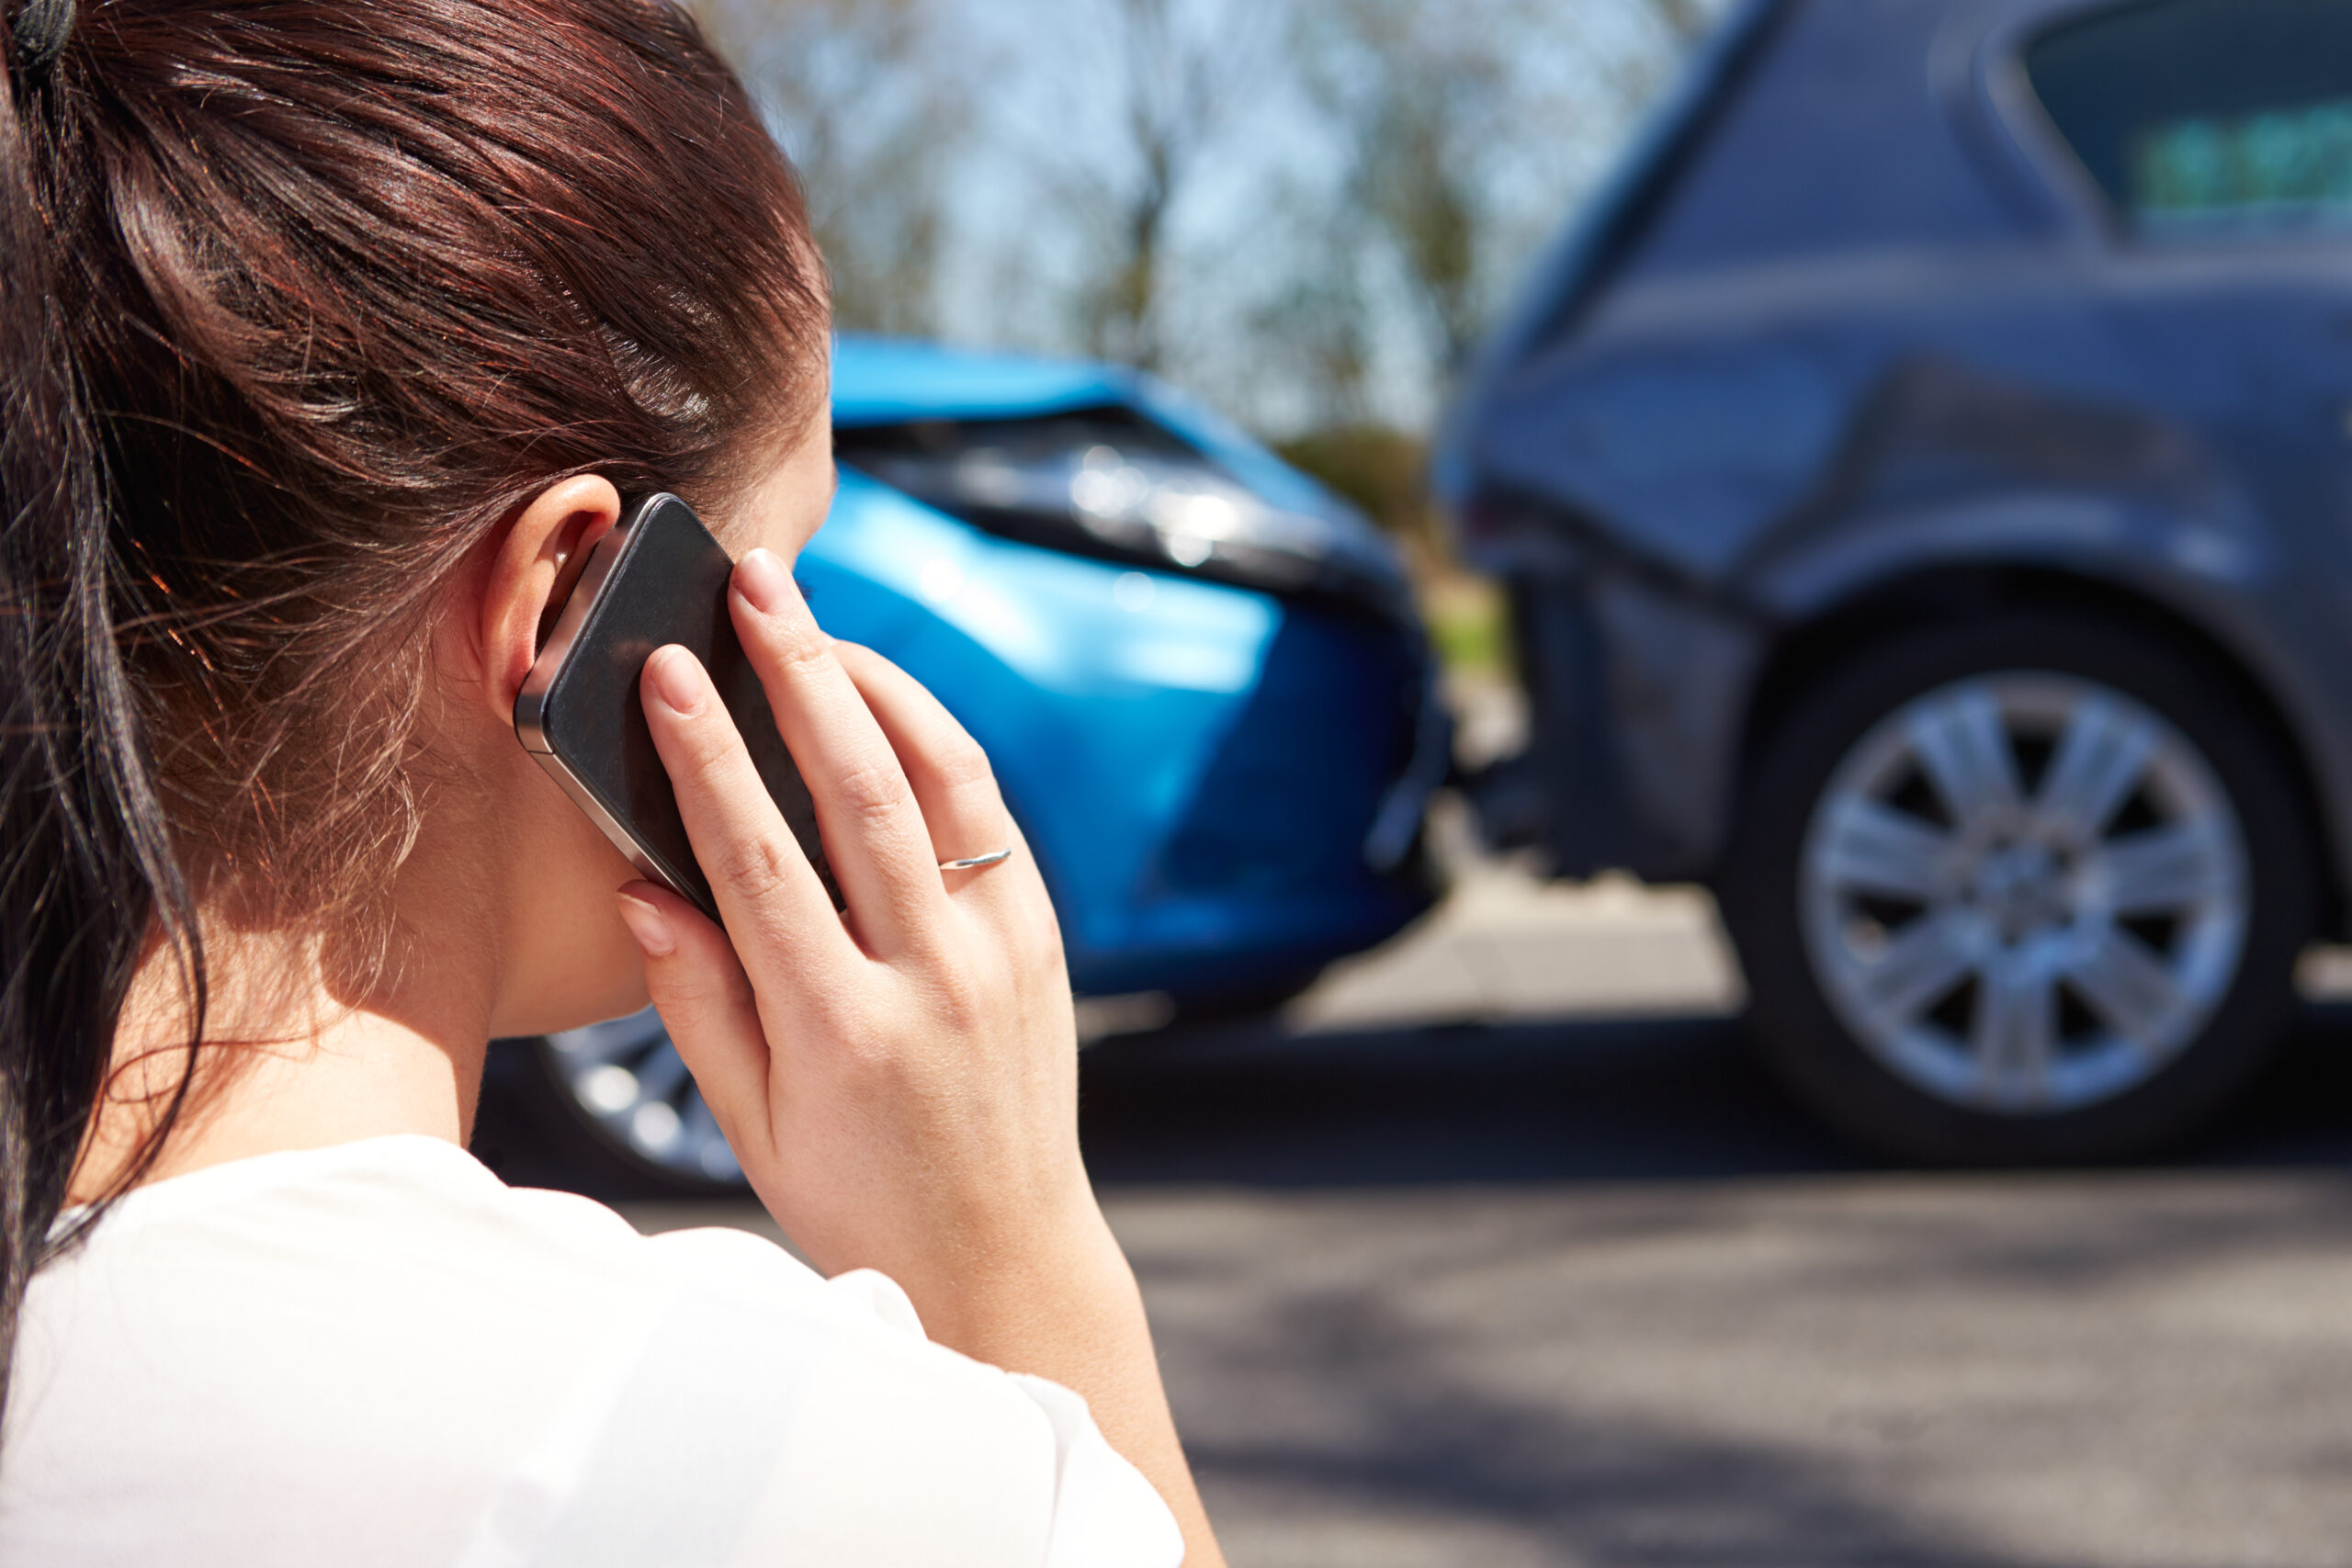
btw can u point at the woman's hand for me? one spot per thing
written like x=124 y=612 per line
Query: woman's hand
x=901 y=1083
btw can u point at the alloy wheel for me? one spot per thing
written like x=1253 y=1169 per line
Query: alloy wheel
x=2024 y=893
x=626 y=1078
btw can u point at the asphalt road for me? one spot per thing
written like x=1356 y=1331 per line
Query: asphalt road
x=1578 y=1290
x=1593 y=1293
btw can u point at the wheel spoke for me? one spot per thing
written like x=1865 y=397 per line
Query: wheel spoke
x=628 y=1076
x=2178 y=867
x=2015 y=1033
x=661 y=1073
x=2128 y=987
x=1872 y=848
x=1924 y=962
x=2101 y=756
x=616 y=1040
x=1962 y=742
x=705 y=1142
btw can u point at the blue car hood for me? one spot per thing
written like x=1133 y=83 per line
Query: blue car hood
x=892 y=380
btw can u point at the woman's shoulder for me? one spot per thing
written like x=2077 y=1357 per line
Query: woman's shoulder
x=405 y=1231
x=539 y=1375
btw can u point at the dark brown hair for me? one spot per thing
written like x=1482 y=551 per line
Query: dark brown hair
x=300 y=300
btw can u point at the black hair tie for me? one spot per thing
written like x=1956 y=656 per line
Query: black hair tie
x=37 y=31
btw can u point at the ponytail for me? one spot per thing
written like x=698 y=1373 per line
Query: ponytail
x=86 y=871
x=299 y=298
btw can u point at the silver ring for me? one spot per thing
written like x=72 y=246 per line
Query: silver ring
x=976 y=862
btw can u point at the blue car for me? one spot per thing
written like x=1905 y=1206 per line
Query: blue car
x=1199 y=674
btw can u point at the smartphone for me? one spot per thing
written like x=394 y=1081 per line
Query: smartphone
x=656 y=577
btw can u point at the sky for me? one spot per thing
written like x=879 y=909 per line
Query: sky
x=1023 y=106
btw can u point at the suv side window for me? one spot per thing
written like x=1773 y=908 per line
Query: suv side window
x=2204 y=116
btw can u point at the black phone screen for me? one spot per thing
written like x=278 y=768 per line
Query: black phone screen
x=657 y=577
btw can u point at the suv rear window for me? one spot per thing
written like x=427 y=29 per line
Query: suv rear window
x=2202 y=115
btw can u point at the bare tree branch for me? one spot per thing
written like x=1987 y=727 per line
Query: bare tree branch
x=866 y=98
x=1177 y=67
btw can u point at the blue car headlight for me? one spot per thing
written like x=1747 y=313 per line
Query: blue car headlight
x=1108 y=482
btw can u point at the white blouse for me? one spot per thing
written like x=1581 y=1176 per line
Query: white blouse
x=381 y=1354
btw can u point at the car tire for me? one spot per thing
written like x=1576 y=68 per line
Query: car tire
x=2121 y=948
x=1241 y=1004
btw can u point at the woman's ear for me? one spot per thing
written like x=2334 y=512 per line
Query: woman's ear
x=532 y=571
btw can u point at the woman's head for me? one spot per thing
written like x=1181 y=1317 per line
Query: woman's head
x=347 y=284
x=308 y=306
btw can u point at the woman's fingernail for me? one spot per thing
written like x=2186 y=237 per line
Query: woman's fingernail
x=647 y=924
x=766 y=586
x=676 y=680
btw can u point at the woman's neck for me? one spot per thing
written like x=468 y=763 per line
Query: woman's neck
x=502 y=923
x=295 y=1056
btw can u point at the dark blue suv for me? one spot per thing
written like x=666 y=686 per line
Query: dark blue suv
x=1925 y=484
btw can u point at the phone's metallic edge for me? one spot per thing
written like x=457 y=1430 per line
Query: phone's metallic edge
x=586 y=798
x=530 y=702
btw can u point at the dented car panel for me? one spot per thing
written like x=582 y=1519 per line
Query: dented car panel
x=1857 y=322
